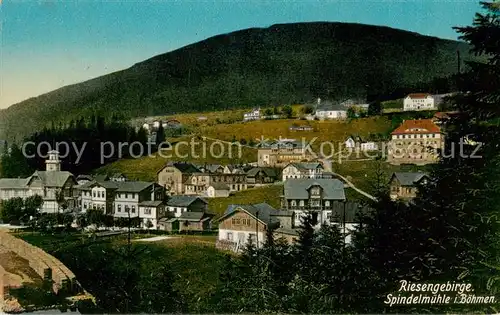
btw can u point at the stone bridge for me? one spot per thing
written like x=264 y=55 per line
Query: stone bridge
x=46 y=266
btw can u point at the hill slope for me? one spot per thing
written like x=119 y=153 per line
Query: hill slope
x=287 y=63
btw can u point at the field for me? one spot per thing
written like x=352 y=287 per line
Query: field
x=196 y=149
x=269 y=194
x=193 y=260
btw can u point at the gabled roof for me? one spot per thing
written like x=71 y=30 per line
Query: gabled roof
x=183 y=167
x=355 y=137
x=306 y=166
x=418 y=95
x=268 y=171
x=83 y=176
x=93 y=183
x=333 y=189
x=101 y=177
x=264 y=211
x=52 y=178
x=182 y=200
x=151 y=203
x=194 y=216
x=418 y=126
x=13 y=182
x=352 y=210
x=330 y=106
x=133 y=186
x=407 y=178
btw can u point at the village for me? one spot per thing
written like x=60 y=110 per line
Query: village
x=178 y=200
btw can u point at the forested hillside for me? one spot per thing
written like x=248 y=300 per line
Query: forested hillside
x=282 y=64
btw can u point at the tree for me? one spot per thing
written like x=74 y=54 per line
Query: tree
x=374 y=108
x=12 y=209
x=268 y=112
x=351 y=113
x=450 y=231
x=287 y=111
x=306 y=109
x=14 y=163
x=160 y=134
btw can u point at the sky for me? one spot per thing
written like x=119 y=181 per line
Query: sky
x=46 y=44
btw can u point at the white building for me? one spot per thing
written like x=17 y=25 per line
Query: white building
x=418 y=101
x=253 y=115
x=329 y=110
x=179 y=204
x=218 y=190
x=124 y=199
x=369 y=146
x=302 y=170
x=151 y=211
x=48 y=184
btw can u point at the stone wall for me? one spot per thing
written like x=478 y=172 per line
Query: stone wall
x=45 y=265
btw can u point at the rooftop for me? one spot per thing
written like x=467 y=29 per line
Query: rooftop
x=418 y=126
x=333 y=189
x=407 y=178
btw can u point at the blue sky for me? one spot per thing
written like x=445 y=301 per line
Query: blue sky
x=48 y=44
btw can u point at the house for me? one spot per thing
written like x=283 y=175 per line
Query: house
x=302 y=170
x=440 y=117
x=258 y=176
x=118 y=177
x=49 y=184
x=404 y=184
x=329 y=110
x=253 y=115
x=418 y=101
x=282 y=152
x=210 y=168
x=82 y=179
x=173 y=176
x=355 y=142
x=172 y=123
x=346 y=215
x=233 y=169
x=198 y=183
x=177 y=205
x=218 y=190
x=369 y=146
x=187 y=221
x=241 y=224
x=119 y=199
x=309 y=194
x=415 y=142
x=151 y=211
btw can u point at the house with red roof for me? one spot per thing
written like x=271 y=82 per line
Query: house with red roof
x=418 y=101
x=415 y=142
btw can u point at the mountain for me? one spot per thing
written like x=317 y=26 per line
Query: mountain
x=281 y=64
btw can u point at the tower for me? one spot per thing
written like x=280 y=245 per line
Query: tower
x=53 y=163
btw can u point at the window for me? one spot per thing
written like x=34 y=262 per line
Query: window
x=126 y=196
x=93 y=194
x=253 y=238
x=119 y=208
x=327 y=203
x=133 y=209
x=229 y=236
x=127 y=209
x=147 y=211
x=301 y=203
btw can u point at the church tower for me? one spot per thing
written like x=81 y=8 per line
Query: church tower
x=53 y=163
